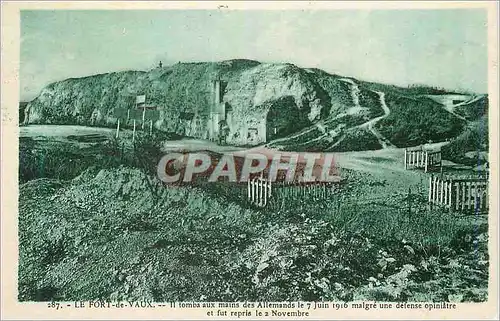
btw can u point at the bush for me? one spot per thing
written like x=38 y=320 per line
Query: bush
x=417 y=121
x=474 y=139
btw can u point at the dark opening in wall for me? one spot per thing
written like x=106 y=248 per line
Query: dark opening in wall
x=284 y=117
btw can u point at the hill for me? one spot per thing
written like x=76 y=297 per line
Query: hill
x=245 y=102
x=22 y=108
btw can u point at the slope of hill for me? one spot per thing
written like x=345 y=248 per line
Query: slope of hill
x=304 y=109
x=471 y=146
x=414 y=121
x=22 y=108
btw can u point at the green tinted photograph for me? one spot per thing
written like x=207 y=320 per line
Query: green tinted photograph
x=254 y=155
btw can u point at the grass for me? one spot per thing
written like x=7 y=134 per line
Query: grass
x=473 y=111
x=357 y=139
x=192 y=245
x=117 y=234
x=474 y=138
x=405 y=127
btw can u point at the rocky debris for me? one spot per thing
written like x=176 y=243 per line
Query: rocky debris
x=99 y=236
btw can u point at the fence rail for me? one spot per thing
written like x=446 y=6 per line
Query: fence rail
x=459 y=194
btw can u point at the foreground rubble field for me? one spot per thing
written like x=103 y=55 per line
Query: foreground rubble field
x=116 y=234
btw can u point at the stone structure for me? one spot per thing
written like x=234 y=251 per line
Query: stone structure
x=224 y=128
x=217 y=122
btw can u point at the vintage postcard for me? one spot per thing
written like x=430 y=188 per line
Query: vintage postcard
x=249 y=160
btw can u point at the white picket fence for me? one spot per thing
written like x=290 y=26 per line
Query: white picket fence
x=117 y=135
x=259 y=191
x=466 y=194
x=421 y=158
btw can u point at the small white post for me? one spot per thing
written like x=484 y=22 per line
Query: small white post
x=143 y=116
x=133 y=133
x=128 y=115
x=265 y=192
x=248 y=189
x=406 y=155
x=118 y=128
x=253 y=191
x=430 y=189
x=426 y=161
x=445 y=192
x=450 y=194
x=441 y=191
x=261 y=189
x=151 y=128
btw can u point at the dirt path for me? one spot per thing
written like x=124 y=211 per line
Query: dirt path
x=354 y=91
x=329 y=134
x=469 y=101
x=385 y=165
x=62 y=130
x=337 y=142
x=451 y=108
x=370 y=125
x=188 y=144
x=332 y=135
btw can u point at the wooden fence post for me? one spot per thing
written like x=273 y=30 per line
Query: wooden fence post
x=261 y=187
x=463 y=195
x=406 y=156
x=409 y=203
x=450 y=195
x=270 y=189
x=133 y=133
x=430 y=190
x=248 y=189
x=143 y=116
x=468 y=196
x=118 y=129
x=426 y=161
x=265 y=192
x=254 y=190
x=445 y=192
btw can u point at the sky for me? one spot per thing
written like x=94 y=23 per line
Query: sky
x=445 y=48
